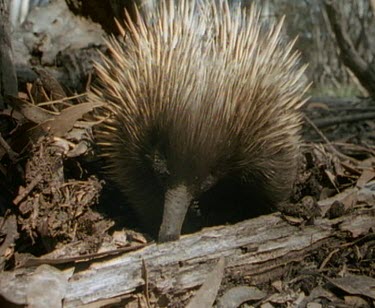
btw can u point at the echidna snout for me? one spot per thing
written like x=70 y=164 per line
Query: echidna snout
x=176 y=203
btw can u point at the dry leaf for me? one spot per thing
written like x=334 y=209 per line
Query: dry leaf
x=31 y=112
x=366 y=176
x=64 y=122
x=207 y=293
x=234 y=297
x=367 y=193
x=356 y=285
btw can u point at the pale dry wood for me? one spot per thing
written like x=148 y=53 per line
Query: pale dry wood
x=258 y=250
x=372 y=2
x=261 y=249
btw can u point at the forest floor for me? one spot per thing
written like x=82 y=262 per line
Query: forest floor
x=57 y=207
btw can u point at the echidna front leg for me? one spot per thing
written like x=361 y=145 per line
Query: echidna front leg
x=176 y=204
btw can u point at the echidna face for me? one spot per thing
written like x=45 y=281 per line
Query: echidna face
x=172 y=169
x=181 y=178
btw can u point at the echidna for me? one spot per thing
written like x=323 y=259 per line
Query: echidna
x=199 y=92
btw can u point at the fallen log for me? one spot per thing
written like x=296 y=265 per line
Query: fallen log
x=256 y=251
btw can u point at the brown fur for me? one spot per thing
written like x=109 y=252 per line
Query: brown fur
x=197 y=93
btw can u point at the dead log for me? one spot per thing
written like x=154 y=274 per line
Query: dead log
x=256 y=251
x=8 y=80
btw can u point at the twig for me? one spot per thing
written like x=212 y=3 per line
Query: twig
x=12 y=155
x=61 y=100
x=145 y=277
x=329 y=144
x=344 y=119
x=329 y=257
x=26 y=191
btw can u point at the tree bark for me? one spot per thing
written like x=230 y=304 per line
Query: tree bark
x=364 y=71
x=8 y=79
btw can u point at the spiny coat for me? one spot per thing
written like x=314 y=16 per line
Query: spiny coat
x=197 y=92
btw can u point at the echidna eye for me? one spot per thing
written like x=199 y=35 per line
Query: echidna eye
x=159 y=165
x=208 y=183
